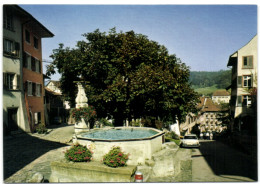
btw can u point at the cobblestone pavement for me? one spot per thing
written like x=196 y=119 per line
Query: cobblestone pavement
x=29 y=153
x=217 y=162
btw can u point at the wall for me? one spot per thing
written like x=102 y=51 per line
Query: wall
x=63 y=171
x=247 y=50
x=36 y=104
x=14 y=98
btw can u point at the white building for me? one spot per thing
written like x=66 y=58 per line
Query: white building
x=221 y=96
x=244 y=75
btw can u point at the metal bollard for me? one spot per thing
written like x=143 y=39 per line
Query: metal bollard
x=138 y=177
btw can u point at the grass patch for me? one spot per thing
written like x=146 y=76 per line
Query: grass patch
x=206 y=90
x=178 y=142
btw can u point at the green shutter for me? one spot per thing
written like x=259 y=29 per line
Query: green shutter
x=250 y=61
x=251 y=82
x=239 y=81
x=239 y=101
x=17 y=48
x=34 y=89
x=5 y=80
x=24 y=60
x=18 y=81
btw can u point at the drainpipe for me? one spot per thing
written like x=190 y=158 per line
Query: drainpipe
x=25 y=102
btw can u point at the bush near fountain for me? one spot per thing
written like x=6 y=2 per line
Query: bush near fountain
x=77 y=168
x=78 y=153
x=115 y=158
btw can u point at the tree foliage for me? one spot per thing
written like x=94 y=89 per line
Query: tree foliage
x=128 y=76
x=222 y=79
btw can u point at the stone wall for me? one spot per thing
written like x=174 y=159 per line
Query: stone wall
x=64 y=171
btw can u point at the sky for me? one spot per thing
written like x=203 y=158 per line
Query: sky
x=202 y=36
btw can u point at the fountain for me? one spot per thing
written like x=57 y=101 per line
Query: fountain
x=140 y=142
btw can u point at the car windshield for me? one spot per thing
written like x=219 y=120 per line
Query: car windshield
x=190 y=137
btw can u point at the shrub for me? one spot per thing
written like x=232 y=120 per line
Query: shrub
x=87 y=113
x=78 y=153
x=136 y=123
x=172 y=135
x=105 y=122
x=115 y=158
x=41 y=129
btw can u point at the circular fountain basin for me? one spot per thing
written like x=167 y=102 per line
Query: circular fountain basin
x=139 y=142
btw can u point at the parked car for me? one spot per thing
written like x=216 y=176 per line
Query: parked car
x=190 y=140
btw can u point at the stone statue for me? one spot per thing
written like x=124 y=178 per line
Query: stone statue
x=81 y=101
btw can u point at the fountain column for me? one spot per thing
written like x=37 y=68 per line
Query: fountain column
x=81 y=102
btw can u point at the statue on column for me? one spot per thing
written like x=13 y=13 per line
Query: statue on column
x=81 y=102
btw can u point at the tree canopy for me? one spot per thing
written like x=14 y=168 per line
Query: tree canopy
x=222 y=79
x=127 y=76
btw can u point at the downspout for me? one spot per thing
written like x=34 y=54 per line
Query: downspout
x=25 y=101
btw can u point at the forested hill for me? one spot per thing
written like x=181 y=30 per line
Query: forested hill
x=220 y=79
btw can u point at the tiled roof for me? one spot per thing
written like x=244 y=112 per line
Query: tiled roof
x=221 y=93
x=210 y=106
x=200 y=105
x=207 y=105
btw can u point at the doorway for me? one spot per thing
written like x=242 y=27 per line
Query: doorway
x=12 y=119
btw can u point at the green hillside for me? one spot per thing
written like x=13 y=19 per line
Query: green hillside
x=206 y=83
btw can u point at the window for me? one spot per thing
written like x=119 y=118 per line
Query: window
x=8 y=22
x=38 y=66
x=11 y=81
x=27 y=61
x=246 y=100
x=35 y=42
x=247 y=81
x=11 y=48
x=29 y=88
x=38 y=89
x=37 y=117
x=27 y=36
x=247 y=62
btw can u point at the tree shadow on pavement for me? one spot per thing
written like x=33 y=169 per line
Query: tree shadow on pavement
x=224 y=160
x=22 y=149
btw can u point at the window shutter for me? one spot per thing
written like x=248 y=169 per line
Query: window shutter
x=40 y=66
x=17 y=49
x=239 y=101
x=40 y=90
x=250 y=62
x=24 y=60
x=18 y=81
x=239 y=81
x=5 y=80
x=33 y=63
x=34 y=89
x=251 y=81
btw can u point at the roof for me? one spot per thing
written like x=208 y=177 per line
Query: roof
x=233 y=57
x=201 y=103
x=29 y=20
x=221 y=93
x=207 y=105
x=52 y=92
x=56 y=83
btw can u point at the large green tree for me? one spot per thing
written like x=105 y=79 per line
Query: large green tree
x=127 y=76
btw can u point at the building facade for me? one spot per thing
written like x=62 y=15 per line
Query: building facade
x=221 y=96
x=14 y=111
x=210 y=119
x=244 y=83
x=23 y=102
